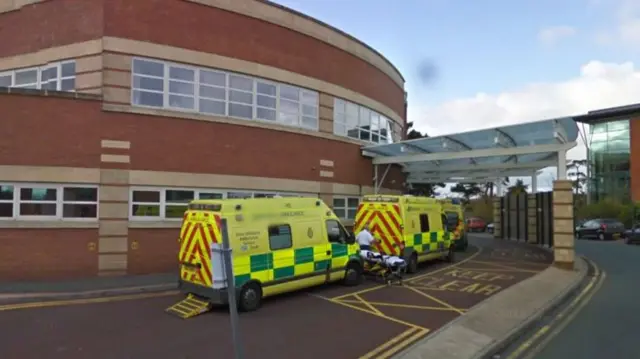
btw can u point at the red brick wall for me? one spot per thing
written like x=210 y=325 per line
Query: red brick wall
x=168 y=144
x=634 y=124
x=157 y=250
x=229 y=34
x=47 y=254
x=48 y=24
x=48 y=131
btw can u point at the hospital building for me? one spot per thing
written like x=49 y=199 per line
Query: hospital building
x=116 y=113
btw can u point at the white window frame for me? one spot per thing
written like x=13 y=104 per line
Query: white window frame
x=197 y=192
x=59 y=202
x=337 y=113
x=346 y=207
x=38 y=84
x=227 y=88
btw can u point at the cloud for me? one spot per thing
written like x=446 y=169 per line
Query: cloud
x=597 y=85
x=625 y=30
x=553 y=34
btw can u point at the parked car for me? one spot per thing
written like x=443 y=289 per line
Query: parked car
x=490 y=228
x=476 y=224
x=578 y=223
x=632 y=235
x=601 y=229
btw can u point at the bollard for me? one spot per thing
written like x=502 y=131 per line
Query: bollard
x=231 y=290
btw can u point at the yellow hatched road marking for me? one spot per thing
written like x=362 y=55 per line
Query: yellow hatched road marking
x=441 y=302
x=401 y=345
x=59 y=303
x=396 y=305
x=393 y=341
x=368 y=305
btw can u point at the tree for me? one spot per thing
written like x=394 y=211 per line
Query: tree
x=420 y=189
x=467 y=190
x=575 y=172
x=489 y=187
x=518 y=188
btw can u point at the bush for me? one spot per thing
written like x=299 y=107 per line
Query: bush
x=623 y=212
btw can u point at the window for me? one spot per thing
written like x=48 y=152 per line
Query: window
x=335 y=232
x=213 y=92
x=79 y=202
x=58 y=76
x=424 y=223
x=171 y=203
x=176 y=202
x=6 y=201
x=145 y=203
x=280 y=237
x=345 y=207
x=48 y=202
x=360 y=123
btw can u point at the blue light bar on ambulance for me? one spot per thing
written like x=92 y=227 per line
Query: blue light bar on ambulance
x=455 y=201
x=380 y=199
x=205 y=207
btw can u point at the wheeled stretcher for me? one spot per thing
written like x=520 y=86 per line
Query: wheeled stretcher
x=390 y=267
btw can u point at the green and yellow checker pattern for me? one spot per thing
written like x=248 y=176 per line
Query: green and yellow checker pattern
x=290 y=263
x=428 y=242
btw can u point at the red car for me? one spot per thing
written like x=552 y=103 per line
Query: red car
x=476 y=224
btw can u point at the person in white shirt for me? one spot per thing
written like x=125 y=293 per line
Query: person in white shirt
x=365 y=239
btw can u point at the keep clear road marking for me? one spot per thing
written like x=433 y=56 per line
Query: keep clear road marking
x=59 y=303
x=415 y=332
x=531 y=347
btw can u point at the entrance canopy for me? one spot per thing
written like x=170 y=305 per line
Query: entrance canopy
x=480 y=156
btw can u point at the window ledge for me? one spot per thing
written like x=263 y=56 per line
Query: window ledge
x=44 y=224
x=154 y=224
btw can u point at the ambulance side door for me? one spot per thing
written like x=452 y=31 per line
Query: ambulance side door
x=337 y=247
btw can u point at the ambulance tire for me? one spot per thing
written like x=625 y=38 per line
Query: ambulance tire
x=412 y=266
x=451 y=254
x=250 y=297
x=352 y=275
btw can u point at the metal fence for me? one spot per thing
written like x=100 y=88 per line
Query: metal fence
x=518 y=224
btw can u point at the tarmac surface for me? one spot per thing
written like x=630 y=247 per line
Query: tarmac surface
x=607 y=326
x=368 y=321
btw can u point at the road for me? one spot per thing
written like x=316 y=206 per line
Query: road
x=325 y=322
x=607 y=327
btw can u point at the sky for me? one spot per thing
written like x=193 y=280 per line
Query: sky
x=476 y=64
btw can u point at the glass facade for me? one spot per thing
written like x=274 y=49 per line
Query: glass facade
x=609 y=161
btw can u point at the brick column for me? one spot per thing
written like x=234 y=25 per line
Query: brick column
x=532 y=223
x=563 y=236
x=113 y=245
x=497 y=217
x=326 y=113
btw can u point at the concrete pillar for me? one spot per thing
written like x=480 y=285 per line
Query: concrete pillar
x=113 y=242
x=532 y=223
x=563 y=236
x=562 y=165
x=534 y=182
x=497 y=223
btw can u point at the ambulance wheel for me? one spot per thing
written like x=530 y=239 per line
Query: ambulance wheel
x=352 y=275
x=412 y=266
x=250 y=297
x=451 y=254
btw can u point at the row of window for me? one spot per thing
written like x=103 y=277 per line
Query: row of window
x=51 y=202
x=214 y=92
x=360 y=123
x=59 y=76
x=47 y=202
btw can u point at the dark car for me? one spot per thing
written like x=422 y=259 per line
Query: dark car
x=601 y=229
x=632 y=236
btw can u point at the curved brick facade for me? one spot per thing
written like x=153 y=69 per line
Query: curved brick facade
x=98 y=139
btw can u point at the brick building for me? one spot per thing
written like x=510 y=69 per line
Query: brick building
x=116 y=113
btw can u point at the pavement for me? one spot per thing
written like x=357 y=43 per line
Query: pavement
x=607 y=325
x=497 y=285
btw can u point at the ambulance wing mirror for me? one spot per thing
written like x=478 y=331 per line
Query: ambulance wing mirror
x=351 y=238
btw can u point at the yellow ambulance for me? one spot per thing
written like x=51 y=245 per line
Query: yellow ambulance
x=413 y=228
x=278 y=245
x=454 y=212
